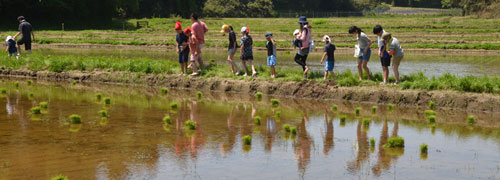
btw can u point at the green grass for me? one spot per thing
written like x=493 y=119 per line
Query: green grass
x=107 y=100
x=190 y=124
x=431 y=119
x=258 y=95
x=277 y=114
x=293 y=130
x=3 y=90
x=335 y=107
x=247 y=140
x=16 y=84
x=167 y=120
x=103 y=113
x=257 y=120
x=432 y=105
x=390 y=107
x=423 y=148
x=98 y=96
x=430 y=113
x=164 y=90
x=342 y=119
x=275 y=102
x=174 y=105
x=73 y=82
x=372 y=142
x=44 y=105
x=471 y=119
x=199 y=94
x=374 y=109
x=395 y=142
x=75 y=119
x=366 y=122
x=286 y=127
x=36 y=110
x=29 y=82
x=357 y=111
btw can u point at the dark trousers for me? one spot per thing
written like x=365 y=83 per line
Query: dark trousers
x=301 y=60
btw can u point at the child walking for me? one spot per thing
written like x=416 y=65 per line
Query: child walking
x=231 y=48
x=11 y=47
x=329 y=54
x=385 y=58
x=246 y=51
x=271 y=53
x=195 y=50
x=182 y=47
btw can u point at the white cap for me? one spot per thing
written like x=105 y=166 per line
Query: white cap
x=296 y=32
x=8 y=38
x=244 y=29
x=326 y=38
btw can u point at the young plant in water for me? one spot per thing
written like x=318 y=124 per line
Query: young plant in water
x=190 y=124
x=423 y=148
x=3 y=91
x=390 y=107
x=366 y=122
x=31 y=95
x=75 y=119
x=199 y=94
x=275 y=102
x=73 y=82
x=470 y=119
x=59 y=177
x=174 y=105
x=44 y=105
x=342 y=119
x=103 y=113
x=277 y=114
x=16 y=84
x=257 y=119
x=258 y=95
x=247 y=140
x=98 y=96
x=107 y=100
x=372 y=142
x=36 y=110
x=335 y=107
x=432 y=105
x=286 y=127
x=430 y=113
x=293 y=130
x=164 y=90
x=394 y=142
x=374 y=109
x=357 y=111
x=431 y=118
x=29 y=82
x=167 y=120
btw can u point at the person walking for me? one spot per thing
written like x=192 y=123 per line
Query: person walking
x=198 y=29
x=233 y=45
x=304 y=37
x=26 y=30
x=364 y=44
x=397 y=53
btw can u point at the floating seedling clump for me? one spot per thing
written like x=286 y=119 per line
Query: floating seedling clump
x=277 y=114
x=103 y=113
x=431 y=118
x=286 y=127
x=342 y=119
x=36 y=110
x=75 y=119
x=3 y=91
x=247 y=140
x=357 y=111
x=423 y=148
x=471 y=119
x=257 y=119
x=107 y=100
x=98 y=96
x=390 y=107
x=335 y=107
x=432 y=105
x=366 y=122
x=258 y=95
x=395 y=142
x=190 y=124
x=59 y=177
x=275 y=102
x=44 y=105
x=167 y=120
x=372 y=142
x=174 y=105
x=199 y=95
x=374 y=109
x=164 y=90
x=16 y=84
x=29 y=82
x=293 y=130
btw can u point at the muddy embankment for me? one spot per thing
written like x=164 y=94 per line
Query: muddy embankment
x=472 y=102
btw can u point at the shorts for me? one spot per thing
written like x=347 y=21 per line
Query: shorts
x=386 y=62
x=27 y=43
x=397 y=60
x=364 y=57
x=194 y=57
x=246 y=56
x=183 y=56
x=231 y=51
x=271 y=60
x=14 y=53
x=329 y=65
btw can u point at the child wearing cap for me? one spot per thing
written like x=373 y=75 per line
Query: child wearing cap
x=329 y=54
x=296 y=42
x=231 y=48
x=195 y=50
x=271 y=53
x=385 y=57
x=182 y=47
x=11 y=47
x=246 y=51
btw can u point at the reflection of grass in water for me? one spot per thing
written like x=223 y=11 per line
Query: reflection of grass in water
x=257 y=119
x=36 y=110
x=190 y=125
x=286 y=127
x=423 y=148
x=75 y=127
x=75 y=119
x=431 y=118
x=167 y=120
x=247 y=140
x=59 y=177
x=335 y=107
x=395 y=142
x=258 y=95
x=166 y=127
x=35 y=117
x=394 y=151
x=103 y=113
x=471 y=119
x=103 y=121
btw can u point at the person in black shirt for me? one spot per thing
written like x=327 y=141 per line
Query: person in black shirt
x=329 y=55
x=182 y=47
x=233 y=45
x=27 y=31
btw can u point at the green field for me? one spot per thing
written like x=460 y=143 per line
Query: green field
x=416 y=32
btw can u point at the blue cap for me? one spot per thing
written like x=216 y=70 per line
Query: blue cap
x=269 y=34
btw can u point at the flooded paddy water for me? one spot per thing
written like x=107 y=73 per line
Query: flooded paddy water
x=134 y=142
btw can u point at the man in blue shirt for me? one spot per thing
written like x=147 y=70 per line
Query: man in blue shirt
x=27 y=31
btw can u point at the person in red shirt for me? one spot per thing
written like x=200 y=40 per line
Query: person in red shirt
x=199 y=29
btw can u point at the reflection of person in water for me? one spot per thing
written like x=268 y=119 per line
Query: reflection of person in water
x=198 y=139
x=227 y=146
x=303 y=146
x=328 y=138
x=362 y=149
x=270 y=133
x=384 y=159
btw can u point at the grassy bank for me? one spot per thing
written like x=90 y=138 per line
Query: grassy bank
x=150 y=66
x=438 y=32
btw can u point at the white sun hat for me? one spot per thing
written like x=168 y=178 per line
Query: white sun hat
x=8 y=38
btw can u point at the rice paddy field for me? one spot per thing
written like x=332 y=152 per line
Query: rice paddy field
x=75 y=129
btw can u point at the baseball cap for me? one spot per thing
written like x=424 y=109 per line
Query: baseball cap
x=245 y=29
x=386 y=35
x=269 y=34
x=326 y=38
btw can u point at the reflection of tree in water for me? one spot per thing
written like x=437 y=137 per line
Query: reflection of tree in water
x=303 y=145
x=362 y=149
x=328 y=138
x=386 y=157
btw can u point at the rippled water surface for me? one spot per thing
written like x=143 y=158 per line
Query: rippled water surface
x=134 y=142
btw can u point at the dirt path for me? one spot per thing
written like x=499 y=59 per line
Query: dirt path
x=472 y=102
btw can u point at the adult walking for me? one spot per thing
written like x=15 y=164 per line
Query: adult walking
x=397 y=52
x=26 y=30
x=364 y=44
x=233 y=45
x=199 y=29
x=304 y=37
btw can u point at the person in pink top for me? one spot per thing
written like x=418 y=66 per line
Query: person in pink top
x=199 y=29
x=305 y=38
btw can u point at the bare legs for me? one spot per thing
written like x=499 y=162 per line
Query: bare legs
x=234 y=67
x=254 y=73
x=362 y=64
